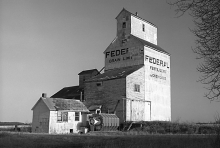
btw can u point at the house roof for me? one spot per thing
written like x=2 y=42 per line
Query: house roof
x=72 y=92
x=146 y=43
x=63 y=104
x=88 y=71
x=115 y=74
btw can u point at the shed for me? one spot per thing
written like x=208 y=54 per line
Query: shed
x=58 y=115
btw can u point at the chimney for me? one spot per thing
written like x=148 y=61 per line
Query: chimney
x=136 y=14
x=44 y=95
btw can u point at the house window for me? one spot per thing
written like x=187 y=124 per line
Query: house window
x=143 y=27
x=76 y=116
x=136 y=87
x=62 y=116
x=99 y=84
x=124 y=25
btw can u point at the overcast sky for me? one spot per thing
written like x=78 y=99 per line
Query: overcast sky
x=44 y=44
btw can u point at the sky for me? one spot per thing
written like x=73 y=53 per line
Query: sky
x=44 y=44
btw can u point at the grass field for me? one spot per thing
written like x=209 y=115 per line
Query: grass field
x=106 y=140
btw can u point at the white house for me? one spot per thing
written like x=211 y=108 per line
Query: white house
x=58 y=116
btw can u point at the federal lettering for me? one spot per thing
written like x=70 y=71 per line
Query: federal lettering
x=156 y=61
x=116 y=52
x=112 y=53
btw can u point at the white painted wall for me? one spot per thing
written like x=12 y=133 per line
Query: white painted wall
x=57 y=127
x=150 y=33
x=41 y=115
x=157 y=88
x=135 y=105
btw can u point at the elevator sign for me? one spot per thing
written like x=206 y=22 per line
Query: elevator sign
x=157 y=65
x=123 y=57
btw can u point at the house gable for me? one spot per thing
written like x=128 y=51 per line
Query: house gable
x=41 y=115
x=40 y=102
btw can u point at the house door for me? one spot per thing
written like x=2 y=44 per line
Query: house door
x=147 y=111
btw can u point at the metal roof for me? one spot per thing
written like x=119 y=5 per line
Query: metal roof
x=88 y=71
x=146 y=43
x=72 y=92
x=115 y=73
x=60 y=104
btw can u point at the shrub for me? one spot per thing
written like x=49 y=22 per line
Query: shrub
x=4 y=134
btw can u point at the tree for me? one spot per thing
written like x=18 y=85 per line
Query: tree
x=206 y=17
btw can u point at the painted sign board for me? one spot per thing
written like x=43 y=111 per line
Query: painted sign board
x=123 y=57
x=157 y=86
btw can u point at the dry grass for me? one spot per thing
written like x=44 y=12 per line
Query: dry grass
x=105 y=140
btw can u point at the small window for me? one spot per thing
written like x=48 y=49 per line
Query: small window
x=76 y=116
x=65 y=116
x=124 y=25
x=59 y=116
x=62 y=116
x=137 y=88
x=143 y=27
x=99 y=84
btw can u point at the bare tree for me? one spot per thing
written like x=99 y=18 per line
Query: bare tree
x=206 y=17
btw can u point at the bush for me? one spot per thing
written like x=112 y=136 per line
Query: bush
x=162 y=127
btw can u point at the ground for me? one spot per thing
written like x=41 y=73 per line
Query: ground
x=106 y=140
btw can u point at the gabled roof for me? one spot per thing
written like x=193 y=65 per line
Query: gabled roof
x=72 y=92
x=115 y=73
x=88 y=71
x=146 y=43
x=122 y=11
x=60 y=104
x=135 y=16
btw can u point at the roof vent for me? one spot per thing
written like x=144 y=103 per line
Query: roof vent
x=44 y=95
x=136 y=14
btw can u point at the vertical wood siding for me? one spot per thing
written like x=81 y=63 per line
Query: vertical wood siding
x=41 y=115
